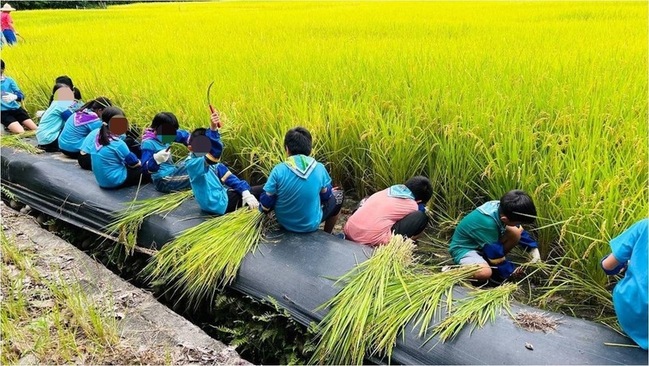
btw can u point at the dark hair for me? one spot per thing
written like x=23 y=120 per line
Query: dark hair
x=104 y=132
x=197 y=132
x=165 y=118
x=420 y=187
x=65 y=80
x=2 y=64
x=298 y=141
x=97 y=103
x=518 y=206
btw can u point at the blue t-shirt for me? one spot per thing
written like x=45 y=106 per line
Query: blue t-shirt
x=630 y=294
x=151 y=146
x=53 y=119
x=108 y=163
x=8 y=85
x=298 y=194
x=88 y=144
x=76 y=128
x=209 y=192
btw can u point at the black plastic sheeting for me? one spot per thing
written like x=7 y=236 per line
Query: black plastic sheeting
x=299 y=271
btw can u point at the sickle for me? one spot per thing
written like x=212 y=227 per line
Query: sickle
x=208 y=96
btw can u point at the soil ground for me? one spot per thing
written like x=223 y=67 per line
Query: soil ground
x=150 y=333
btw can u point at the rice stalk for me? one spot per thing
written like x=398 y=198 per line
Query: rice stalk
x=18 y=142
x=344 y=330
x=478 y=308
x=128 y=222
x=424 y=295
x=205 y=258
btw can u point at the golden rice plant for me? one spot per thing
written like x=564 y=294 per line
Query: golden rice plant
x=127 y=223
x=477 y=309
x=421 y=299
x=344 y=330
x=18 y=142
x=205 y=258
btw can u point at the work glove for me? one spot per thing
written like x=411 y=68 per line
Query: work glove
x=9 y=97
x=614 y=271
x=535 y=254
x=249 y=199
x=161 y=156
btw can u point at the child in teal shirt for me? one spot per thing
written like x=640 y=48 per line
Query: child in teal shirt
x=13 y=115
x=488 y=233
x=210 y=179
x=629 y=250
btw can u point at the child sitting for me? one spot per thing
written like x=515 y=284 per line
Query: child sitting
x=630 y=294
x=399 y=209
x=208 y=175
x=54 y=118
x=488 y=233
x=113 y=164
x=13 y=115
x=156 y=157
x=299 y=189
x=80 y=124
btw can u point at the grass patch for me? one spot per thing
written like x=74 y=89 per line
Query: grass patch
x=17 y=141
x=49 y=319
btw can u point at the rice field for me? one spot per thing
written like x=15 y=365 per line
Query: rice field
x=482 y=97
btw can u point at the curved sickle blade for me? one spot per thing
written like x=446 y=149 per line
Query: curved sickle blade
x=208 y=96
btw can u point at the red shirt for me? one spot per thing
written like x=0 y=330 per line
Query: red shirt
x=372 y=223
x=6 y=21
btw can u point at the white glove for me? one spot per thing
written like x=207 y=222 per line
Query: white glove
x=9 y=97
x=536 y=256
x=39 y=114
x=161 y=156
x=249 y=200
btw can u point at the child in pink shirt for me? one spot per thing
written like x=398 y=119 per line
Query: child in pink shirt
x=399 y=209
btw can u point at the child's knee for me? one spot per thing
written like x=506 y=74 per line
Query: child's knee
x=483 y=273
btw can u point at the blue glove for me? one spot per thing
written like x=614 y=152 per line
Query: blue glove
x=495 y=256
x=527 y=242
x=615 y=270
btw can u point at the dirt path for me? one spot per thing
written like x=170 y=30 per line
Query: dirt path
x=151 y=332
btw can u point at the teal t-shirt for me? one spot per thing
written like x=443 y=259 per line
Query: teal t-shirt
x=630 y=294
x=298 y=194
x=481 y=226
x=108 y=163
x=209 y=192
x=76 y=128
x=52 y=121
x=88 y=144
x=8 y=85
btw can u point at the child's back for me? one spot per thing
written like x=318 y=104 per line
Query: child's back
x=476 y=229
x=297 y=182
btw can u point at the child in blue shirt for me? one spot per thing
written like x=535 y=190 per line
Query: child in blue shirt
x=629 y=250
x=54 y=117
x=210 y=179
x=299 y=189
x=156 y=157
x=488 y=233
x=80 y=124
x=13 y=115
x=113 y=164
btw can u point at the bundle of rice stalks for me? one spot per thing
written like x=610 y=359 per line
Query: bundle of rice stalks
x=480 y=307
x=424 y=295
x=205 y=258
x=17 y=141
x=127 y=222
x=344 y=330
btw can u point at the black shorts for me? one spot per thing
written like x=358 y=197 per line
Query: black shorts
x=14 y=115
